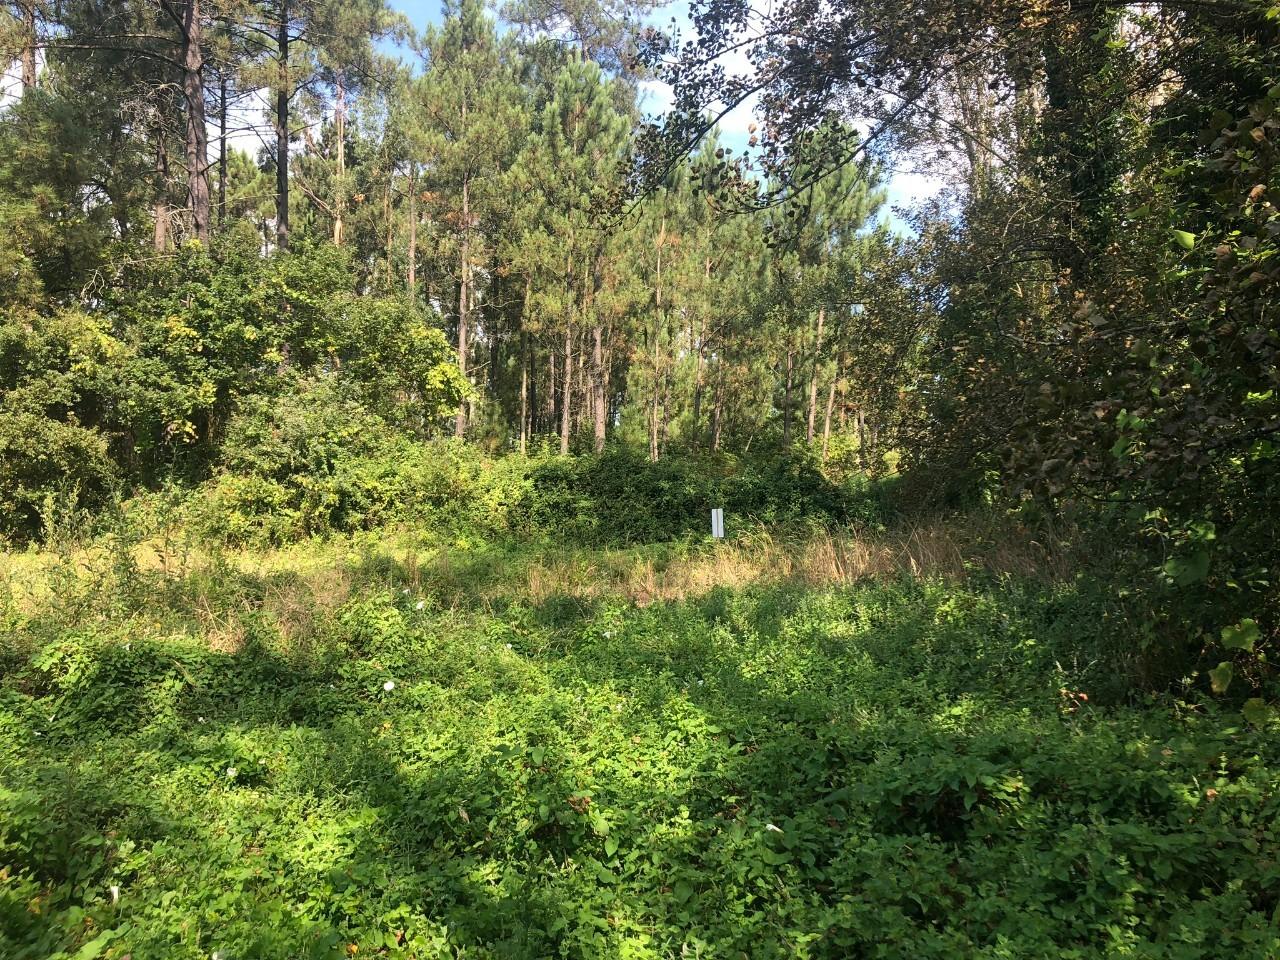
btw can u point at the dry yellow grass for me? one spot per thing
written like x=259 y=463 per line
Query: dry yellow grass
x=296 y=588
x=939 y=550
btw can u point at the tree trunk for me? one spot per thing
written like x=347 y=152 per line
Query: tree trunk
x=411 y=278
x=29 y=42
x=597 y=384
x=493 y=331
x=386 y=219
x=464 y=317
x=524 y=387
x=282 y=130
x=583 y=389
x=786 y=406
x=553 y=395
x=197 y=131
x=566 y=405
x=653 y=408
x=862 y=437
x=161 y=169
x=717 y=410
x=697 y=388
x=340 y=187
x=222 y=149
x=657 y=300
x=813 y=376
x=831 y=402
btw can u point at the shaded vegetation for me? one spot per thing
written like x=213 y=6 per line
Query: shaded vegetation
x=290 y=762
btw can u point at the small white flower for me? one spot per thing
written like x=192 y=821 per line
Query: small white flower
x=262 y=763
x=389 y=686
x=115 y=893
x=508 y=646
x=231 y=773
x=405 y=591
x=199 y=719
x=608 y=633
x=699 y=683
x=775 y=829
x=217 y=955
x=420 y=605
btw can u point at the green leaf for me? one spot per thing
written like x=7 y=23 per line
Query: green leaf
x=1256 y=711
x=682 y=891
x=1187 y=570
x=1221 y=675
x=1187 y=241
x=96 y=945
x=1242 y=636
x=610 y=846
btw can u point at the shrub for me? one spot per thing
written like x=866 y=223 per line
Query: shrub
x=620 y=497
x=44 y=461
x=305 y=461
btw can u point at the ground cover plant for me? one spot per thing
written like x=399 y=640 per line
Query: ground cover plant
x=397 y=745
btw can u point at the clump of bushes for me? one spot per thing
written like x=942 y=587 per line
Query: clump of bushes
x=620 y=497
x=47 y=464
x=316 y=460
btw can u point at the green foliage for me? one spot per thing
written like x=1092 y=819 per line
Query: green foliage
x=882 y=770
x=48 y=465
x=313 y=459
x=144 y=385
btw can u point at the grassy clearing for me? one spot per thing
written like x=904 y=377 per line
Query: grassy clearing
x=840 y=746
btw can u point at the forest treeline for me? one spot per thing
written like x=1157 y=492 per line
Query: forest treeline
x=493 y=243
x=480 y=195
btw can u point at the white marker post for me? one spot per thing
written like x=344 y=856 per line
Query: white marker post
x=717 y=524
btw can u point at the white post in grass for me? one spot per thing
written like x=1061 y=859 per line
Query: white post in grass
x=717 y=523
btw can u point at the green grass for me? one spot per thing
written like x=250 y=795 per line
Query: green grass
x=208 y=764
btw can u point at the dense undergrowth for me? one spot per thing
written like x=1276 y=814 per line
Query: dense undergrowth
x=905 y=744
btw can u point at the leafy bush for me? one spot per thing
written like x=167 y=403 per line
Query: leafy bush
x=43 y=461
x=308 y=460
x=620 y=497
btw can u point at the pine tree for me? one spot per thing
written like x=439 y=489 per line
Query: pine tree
x=470 y=114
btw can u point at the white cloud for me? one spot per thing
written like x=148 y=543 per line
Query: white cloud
x=655 y=97
x=906 y=188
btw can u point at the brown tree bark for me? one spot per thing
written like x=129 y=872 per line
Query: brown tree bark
x=464 y=319
x=813 y=376
x=717 y=410
x=282 y=129
x=524 y=385
x=831 y=402
x=597 y=385
x=553 y=395
x=566 y=405
x=411 y=276
x=197 y=138
x=696 y=429
x=340 y=195
x=161 y=202
x=30 y=40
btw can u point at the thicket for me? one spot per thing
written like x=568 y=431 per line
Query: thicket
x=327 y=750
